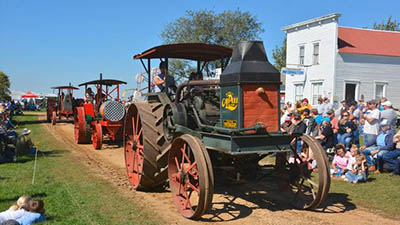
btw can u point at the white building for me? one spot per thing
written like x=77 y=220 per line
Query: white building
x=340 y=62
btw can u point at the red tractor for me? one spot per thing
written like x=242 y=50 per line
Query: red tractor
x=101 y=115
x=62 y=105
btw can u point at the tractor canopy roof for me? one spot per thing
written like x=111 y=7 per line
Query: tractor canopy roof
x=108 y=82
x=65 y=87
x=192 y=51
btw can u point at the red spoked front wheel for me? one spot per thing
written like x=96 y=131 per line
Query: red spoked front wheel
x=97 y=136
x=189 y=176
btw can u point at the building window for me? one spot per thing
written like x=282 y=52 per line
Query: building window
x=298 y=92
x=380 y=90
x=316 y=54
x=316 y=92
x=301 y=55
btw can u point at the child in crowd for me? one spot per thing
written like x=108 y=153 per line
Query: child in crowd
x=340 y=161
x=308 y=121
x=358 y=172
x=354 y=151
x=307 y=155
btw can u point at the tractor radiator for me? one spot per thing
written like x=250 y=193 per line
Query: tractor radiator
x=112 y=111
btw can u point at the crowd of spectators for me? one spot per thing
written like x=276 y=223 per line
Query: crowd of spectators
x=12 y=142
x=361 y=137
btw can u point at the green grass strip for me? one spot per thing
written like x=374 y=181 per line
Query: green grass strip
x=71 y=193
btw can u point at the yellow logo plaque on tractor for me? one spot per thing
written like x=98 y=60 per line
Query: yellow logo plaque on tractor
x=230 y=123
x=229 y=102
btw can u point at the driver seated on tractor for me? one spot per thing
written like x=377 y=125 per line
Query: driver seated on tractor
x=89 y=96
x=163 y=78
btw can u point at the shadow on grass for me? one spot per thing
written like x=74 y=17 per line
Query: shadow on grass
x=49 y=153
x=15 y=198
x=29 y=122
x=30 y=157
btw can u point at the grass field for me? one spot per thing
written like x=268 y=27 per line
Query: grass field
x=72 y=195
x=380 y=193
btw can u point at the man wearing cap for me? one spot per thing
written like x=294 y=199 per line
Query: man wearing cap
x=326 y=134
x=299 y=129
x=384 y=144
x=343 y=109
x=334 y=124
x=389 y=114
x=370 y=120
x=391 y=158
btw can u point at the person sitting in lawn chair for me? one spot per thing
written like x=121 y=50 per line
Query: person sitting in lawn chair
x=392 y=158
x=384 y=144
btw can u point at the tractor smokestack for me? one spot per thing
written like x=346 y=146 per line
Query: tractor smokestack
x=249 y=64
x=250 y=89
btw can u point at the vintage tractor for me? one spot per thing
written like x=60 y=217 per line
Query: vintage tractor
x=231 y=121
x=101 y=114
x=61 y=106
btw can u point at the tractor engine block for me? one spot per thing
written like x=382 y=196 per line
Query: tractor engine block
x=206 y=103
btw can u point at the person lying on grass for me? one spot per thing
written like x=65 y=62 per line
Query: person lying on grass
x=340 y=161
x=33 y=213
x=17 y=210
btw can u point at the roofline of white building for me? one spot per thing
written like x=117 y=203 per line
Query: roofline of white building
x=370 y=29
x=332 y=16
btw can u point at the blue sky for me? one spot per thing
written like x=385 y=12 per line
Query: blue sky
x=46 y=43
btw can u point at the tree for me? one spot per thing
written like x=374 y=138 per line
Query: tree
x=207 y=26
x=279 y=55
x=388 y=25
x=4 y=86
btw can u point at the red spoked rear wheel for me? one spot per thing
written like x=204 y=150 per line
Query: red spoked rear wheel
x=190 y=182
x=54 y=118
x=81 y=130
x=305 y=175
x=97 y=136
x=134 y=155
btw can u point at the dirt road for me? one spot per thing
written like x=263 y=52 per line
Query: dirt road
x=248 y=203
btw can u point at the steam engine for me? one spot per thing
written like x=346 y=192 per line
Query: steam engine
x=244 y=100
